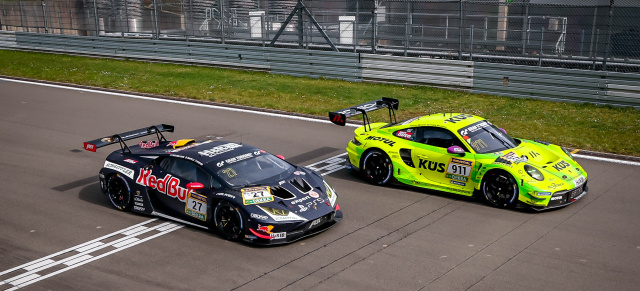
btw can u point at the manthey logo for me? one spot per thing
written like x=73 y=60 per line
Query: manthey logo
x=169 y=185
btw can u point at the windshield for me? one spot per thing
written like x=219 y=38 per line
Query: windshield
x=484 y=137
x=254 y=171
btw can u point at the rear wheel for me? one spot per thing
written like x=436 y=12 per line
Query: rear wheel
x=119 y=192
x=377 y=167
x=500 y=189
x=228 y=221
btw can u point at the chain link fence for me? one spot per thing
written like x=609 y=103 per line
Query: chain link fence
x=586 y=34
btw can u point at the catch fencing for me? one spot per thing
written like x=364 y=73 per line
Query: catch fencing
x=599 y=35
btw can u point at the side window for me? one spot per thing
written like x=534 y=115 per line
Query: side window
x=407 y=133
x=438 y=137
x=189 y=171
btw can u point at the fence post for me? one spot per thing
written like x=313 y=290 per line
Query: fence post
x=607 y=47
x=541 y=47
x=374 y=24
x=155 y=19
x=525 y=27
x=221 y=21
x=471 y=43
x=460 y=28
x=95 y=16
x=21 y=20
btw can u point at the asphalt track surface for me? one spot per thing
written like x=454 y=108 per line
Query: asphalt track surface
x=58 y=232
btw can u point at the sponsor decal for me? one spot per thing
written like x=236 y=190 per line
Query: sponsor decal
x=138 y=199
x=299 y=173
x=457 y=118
x=456 y=177
x=431 y=166
x=473 y=128
x=272 y=235
x=457 y=183
x=363 y=107
x=300 y=200
x=313 y=194
x=237 y=159
x=381 y=139
x=122 y=169
x=513 y=157
x=138 y=208
x=256 y=195
x=315 y=222
x=559 y=166
x=311 y=204
x=130 y=161
x=259 y=216
x=214 y=151
x=278 y=235
x=149 y=144
x=477 y=144
x=404 y=134
x=196 y=206
x=554 y=186
x=90 y=147
x=533 y=154
x=138 y=204
x=462 y=162
x=226 y=195
x=556 y=198
x=578 y=182
x=280 y=215
x=168 y=185
x=230 y=172
x=265 y=228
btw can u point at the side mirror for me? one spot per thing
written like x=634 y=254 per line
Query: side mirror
x=195 y=186
x=280 y=156
x=455 y=150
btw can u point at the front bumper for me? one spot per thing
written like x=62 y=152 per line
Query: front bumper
x=302 y=231
x=564 y=198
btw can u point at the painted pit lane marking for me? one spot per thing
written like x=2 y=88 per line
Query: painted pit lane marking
x=27 y=274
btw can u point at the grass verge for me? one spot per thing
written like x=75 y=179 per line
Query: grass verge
x=585 y=126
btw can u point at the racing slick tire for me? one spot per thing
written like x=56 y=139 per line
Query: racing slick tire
x=500 y=189
x=119 y=192
x=228 y=221
x=377 y=168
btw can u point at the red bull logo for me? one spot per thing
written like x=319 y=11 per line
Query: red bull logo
x=168 y=185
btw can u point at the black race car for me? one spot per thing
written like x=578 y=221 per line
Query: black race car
x=243 y=192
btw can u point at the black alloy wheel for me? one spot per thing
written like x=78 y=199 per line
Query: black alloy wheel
x=119 y=192
x=228 y=221
x=500 y=189
x=377 y=167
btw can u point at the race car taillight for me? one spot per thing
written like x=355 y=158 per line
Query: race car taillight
x=355 y=141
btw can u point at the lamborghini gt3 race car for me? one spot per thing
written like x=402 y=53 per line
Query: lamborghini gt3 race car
x=243 y=192
x=462 y=154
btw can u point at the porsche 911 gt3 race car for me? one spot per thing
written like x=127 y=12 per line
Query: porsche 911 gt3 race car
x=243 y=192
x=462 y=154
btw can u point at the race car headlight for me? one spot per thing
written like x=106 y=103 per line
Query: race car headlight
x=533 y=172
x=331 y=194
x=566 y=151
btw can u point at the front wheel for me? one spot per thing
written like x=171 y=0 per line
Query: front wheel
x=119 y=192
x=228 y=221
x=500 y=189
x=377 y=167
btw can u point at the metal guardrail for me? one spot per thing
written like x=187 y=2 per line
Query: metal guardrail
x=547 y=83
x=420 y=71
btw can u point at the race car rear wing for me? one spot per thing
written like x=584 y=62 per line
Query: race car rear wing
x=340 y=117
x=93 y=145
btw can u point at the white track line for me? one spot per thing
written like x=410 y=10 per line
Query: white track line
x=175 y=101
x=607 y=160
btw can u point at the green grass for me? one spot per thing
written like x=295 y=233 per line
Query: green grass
x=583 y=126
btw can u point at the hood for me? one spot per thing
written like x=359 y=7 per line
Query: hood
x=549 y=159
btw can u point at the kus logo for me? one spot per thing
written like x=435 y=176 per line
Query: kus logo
x=168 y=185
x=457 y=118
x=382 y=139
x=561 y=165
x=431 y=166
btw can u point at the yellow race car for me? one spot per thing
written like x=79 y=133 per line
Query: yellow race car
x=462 y=154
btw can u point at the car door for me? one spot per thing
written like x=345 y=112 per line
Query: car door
x=176 y=174
x=436 y=165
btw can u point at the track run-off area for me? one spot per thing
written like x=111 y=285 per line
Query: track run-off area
x=59 y=232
